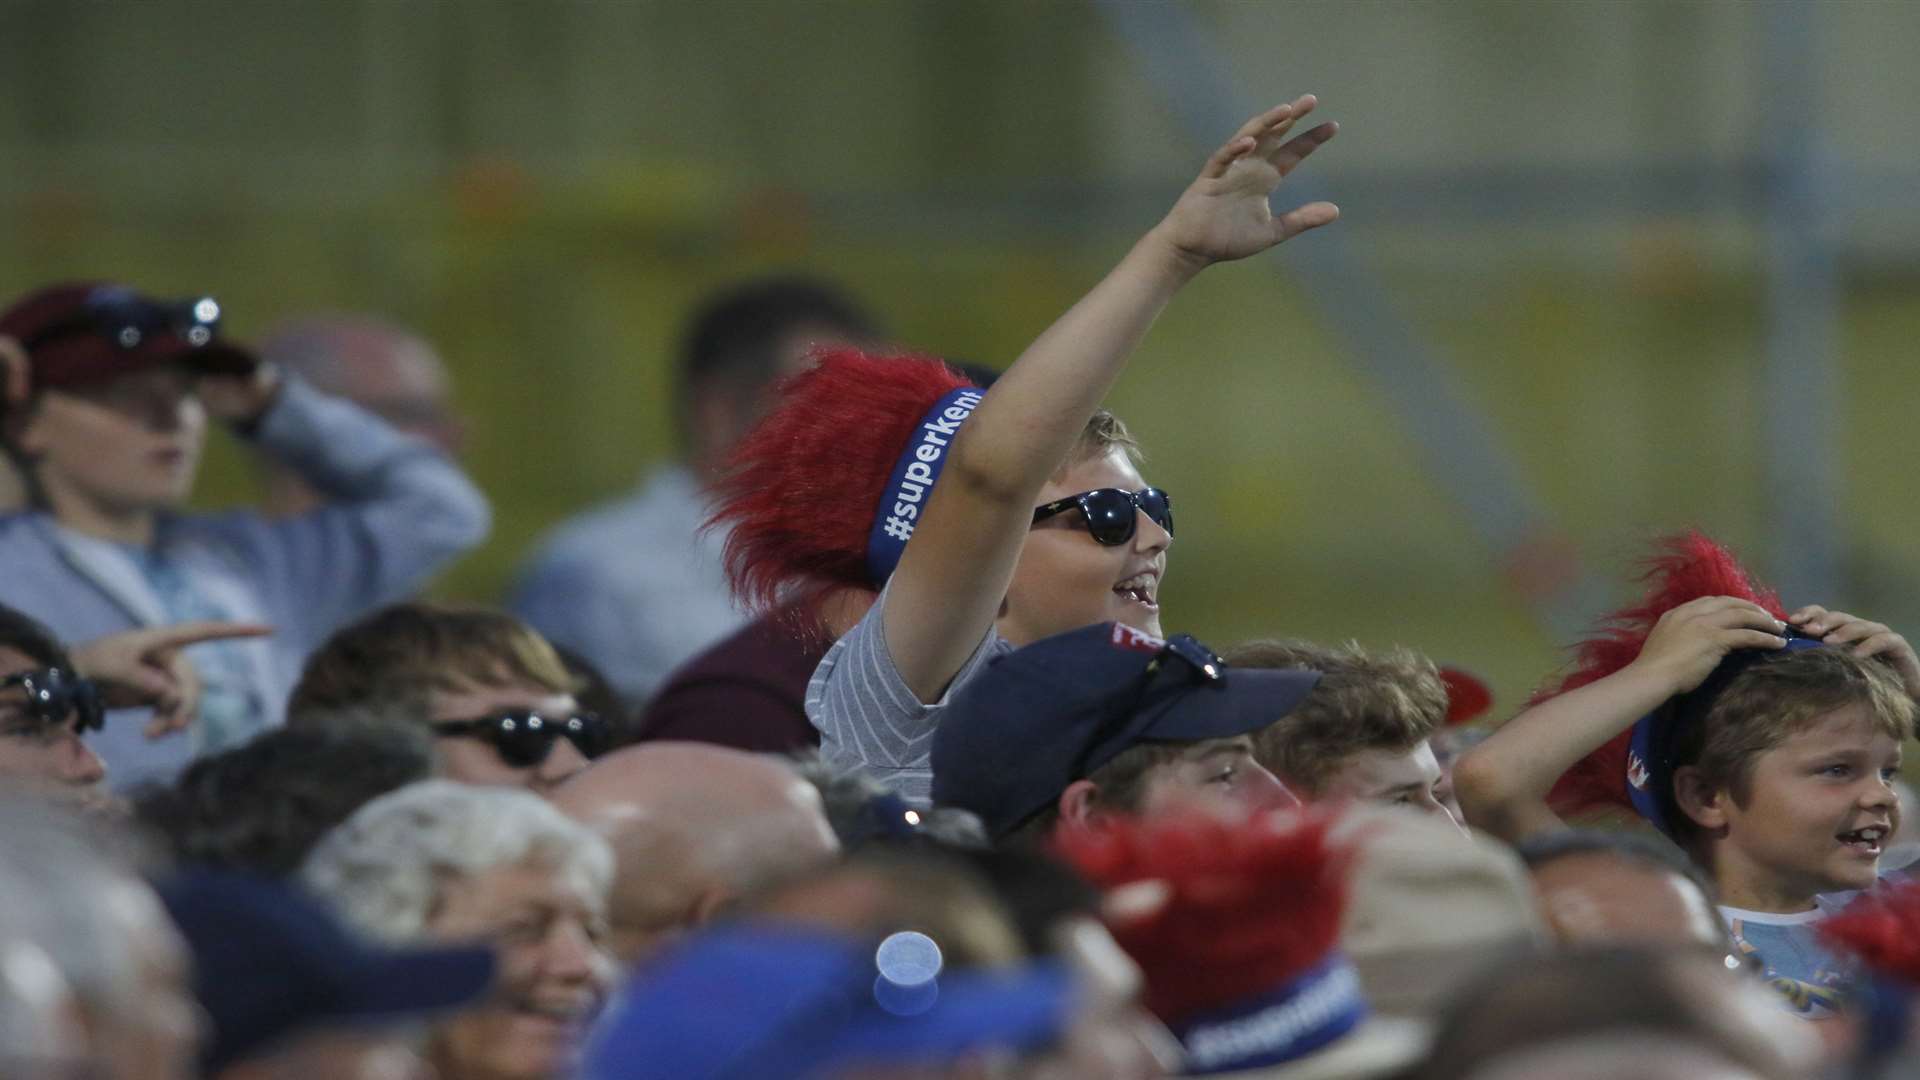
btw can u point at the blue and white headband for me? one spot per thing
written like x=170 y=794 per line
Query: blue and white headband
x=904 y=498
x=1302 y=1015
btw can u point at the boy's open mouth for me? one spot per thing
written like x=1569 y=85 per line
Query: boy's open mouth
x=1865 y=841
x=1139 y=589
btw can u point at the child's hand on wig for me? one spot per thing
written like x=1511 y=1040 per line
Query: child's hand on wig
x=1867 y=639
x=1689 y=641
x=1225 y=214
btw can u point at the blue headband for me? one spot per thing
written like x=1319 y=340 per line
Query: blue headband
x=905 y=497
x=1650 y=755
x=1302 y=1015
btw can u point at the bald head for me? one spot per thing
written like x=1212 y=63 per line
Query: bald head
x=1601 y=898
x=693 y=827
x=383 y=367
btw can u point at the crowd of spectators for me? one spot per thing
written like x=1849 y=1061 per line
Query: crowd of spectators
x=853 y=745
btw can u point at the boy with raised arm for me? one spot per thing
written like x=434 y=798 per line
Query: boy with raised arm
x=1039 y=522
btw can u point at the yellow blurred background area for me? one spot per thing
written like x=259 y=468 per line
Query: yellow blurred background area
x=1567 y=204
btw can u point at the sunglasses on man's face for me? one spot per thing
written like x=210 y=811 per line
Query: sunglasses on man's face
x=56 y=696
x=1109 y=512
x=524 y=738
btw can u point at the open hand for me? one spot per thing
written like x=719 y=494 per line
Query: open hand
x=1225 y=214
x=1690 y=641
x=147 y=667
x=1867 y=639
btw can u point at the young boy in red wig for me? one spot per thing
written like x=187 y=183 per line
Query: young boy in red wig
x=1039 y=523
x=1764 y=744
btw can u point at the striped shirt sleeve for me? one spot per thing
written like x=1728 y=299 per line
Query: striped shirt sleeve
x=866 y=715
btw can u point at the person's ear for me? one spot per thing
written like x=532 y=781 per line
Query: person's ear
x=1080 y=804
x=1704 y=804
x=16 y=374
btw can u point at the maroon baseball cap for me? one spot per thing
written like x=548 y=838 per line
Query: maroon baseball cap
x=87 y=332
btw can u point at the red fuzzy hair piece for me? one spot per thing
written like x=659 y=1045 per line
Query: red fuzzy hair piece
x=1227 y=911
x=1468 y=696
x=1683 y=568
x=801 y=489
x=1882 y=928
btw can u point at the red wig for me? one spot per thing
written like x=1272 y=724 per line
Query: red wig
x=800 y=491
x=1468 y=696
x=1237 y=908
x=1684 y=567
x=1882 y=928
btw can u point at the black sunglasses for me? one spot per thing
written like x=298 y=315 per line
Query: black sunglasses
x=54 y=694
x=524 y=738
x=1109 y=512
x=127 y=319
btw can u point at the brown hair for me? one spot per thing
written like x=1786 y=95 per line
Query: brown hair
x=1779 y=697
x=1387 y=700
x=1120 y=784
x=401 y=655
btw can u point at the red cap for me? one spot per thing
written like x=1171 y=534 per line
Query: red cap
x=68 y=332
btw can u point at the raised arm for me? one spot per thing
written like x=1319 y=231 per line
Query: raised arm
x=950 y=582
x=397 y=509
x=1503 y=783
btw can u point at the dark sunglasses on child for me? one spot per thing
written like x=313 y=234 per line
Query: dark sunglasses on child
x=524 y=738
x=1109 y=512
x=55 y=695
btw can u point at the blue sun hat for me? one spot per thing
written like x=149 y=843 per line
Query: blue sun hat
x=786 y=1003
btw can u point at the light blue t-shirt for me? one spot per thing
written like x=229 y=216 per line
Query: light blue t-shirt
x=231 y=707
x=1810 y=978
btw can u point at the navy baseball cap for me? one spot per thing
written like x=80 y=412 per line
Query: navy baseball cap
x=1039 y=718
x=88 y=332
x=269 y=962
x=762 y=1003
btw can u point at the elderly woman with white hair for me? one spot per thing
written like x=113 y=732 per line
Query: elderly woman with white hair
x=447 y=862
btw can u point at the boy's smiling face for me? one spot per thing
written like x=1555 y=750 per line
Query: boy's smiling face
x=1819 y=809
x=1065 y=579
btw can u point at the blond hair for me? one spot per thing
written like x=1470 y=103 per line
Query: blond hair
x=1103 y=433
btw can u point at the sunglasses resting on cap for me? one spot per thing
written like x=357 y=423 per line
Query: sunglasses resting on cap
x=524 y=738
x=1109 y=512
x=128 y=319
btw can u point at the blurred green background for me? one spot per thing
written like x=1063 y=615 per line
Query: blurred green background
x=1560 y=198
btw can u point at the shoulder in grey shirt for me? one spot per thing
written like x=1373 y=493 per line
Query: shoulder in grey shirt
x=868 y=717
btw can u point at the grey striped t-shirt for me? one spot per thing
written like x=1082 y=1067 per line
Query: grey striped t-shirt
x=868 y=717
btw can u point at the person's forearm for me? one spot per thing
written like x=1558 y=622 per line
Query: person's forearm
x=952 y=577
x=1503 y=783
x=1030 y=420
